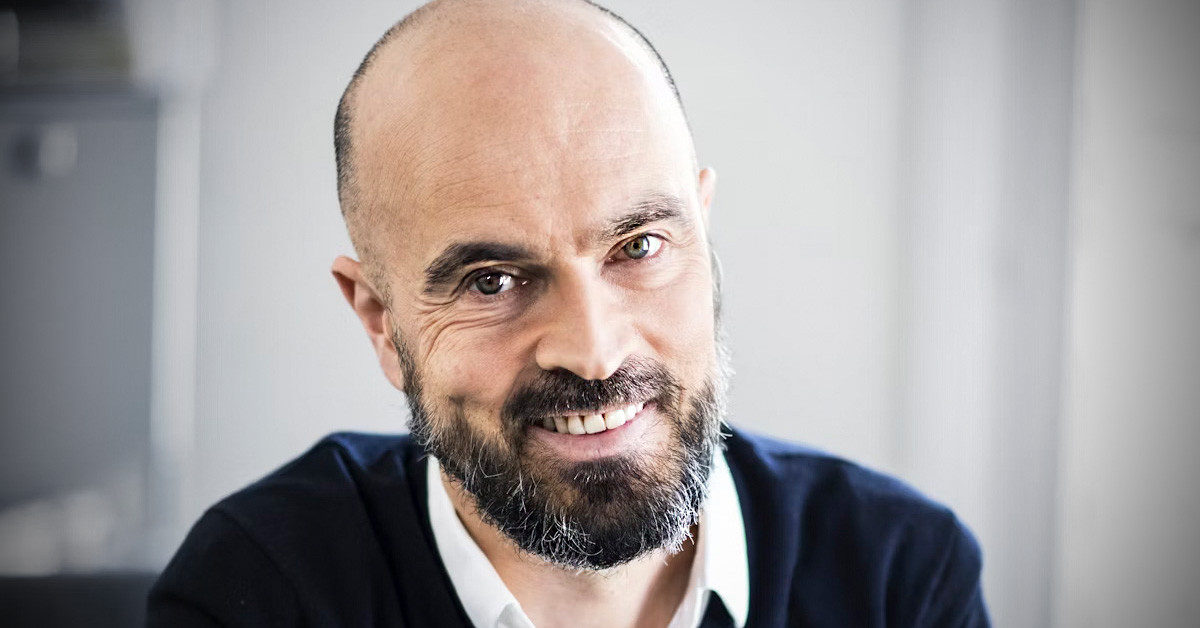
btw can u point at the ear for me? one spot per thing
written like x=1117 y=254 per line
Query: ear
x=374 y=314
x=707 y=185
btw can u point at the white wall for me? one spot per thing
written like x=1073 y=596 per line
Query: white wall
x=1129 y=532
x=281 y=360
x=984 y=167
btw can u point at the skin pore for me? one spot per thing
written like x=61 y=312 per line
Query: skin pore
x=530 y=205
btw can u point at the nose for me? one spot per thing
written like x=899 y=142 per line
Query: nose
x=586 y=331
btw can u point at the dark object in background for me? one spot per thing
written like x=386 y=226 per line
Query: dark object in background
x=62 y=41
x=73 y=6
x=114 y=600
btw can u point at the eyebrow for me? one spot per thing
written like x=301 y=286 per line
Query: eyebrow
x=651 y=209
x=445 y=268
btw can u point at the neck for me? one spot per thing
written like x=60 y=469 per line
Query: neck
x=641 y=594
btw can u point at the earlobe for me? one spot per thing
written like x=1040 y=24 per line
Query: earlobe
x=372 y=312
x=707 y=185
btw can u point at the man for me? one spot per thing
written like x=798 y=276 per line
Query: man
x=535 y=273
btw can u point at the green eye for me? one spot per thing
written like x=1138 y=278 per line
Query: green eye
x=492 y=283
x=641 y=246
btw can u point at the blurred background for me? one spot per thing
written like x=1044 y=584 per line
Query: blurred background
x=961 y=243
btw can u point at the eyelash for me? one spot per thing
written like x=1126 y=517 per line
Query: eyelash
x=649 y=256
x=469 y=281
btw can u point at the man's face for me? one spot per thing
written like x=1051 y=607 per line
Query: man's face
x=550 y=275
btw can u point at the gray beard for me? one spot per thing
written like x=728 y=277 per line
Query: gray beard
x=589 y=515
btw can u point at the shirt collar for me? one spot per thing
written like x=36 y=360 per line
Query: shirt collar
x=720 y=565
x=483 y=594
x=721 y=552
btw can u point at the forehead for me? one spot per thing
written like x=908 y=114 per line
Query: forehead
x=541 y=136
x=536 y=191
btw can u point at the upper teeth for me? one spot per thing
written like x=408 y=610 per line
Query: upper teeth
x=592 y=423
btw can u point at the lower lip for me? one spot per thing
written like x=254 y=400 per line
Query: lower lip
x=617 y=441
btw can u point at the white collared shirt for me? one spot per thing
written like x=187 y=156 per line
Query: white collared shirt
x=719 y=567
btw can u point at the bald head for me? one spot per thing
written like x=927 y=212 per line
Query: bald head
x=451 y=59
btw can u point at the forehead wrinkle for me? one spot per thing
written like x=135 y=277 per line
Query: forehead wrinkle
x=534 y=174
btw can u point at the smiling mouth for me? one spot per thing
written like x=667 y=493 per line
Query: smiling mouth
x=585 y=424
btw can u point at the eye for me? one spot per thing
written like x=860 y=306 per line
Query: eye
x=492 y=283
x=642 y=246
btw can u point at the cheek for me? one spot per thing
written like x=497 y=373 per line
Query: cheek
x=678 y=322
x=461 y=353
x=472 y=371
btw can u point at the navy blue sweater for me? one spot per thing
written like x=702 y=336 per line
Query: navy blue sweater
x=341 y=537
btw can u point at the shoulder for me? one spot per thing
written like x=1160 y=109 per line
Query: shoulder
x=331 y=469
x=885 y=544
x=325 y=495
x=304 y=535
x=823 y=484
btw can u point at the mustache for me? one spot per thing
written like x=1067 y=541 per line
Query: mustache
x=560 y=392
